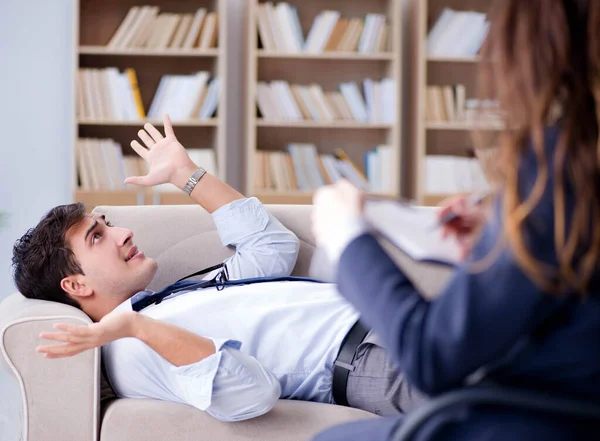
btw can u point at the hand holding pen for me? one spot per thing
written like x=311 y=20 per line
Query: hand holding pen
x=461 y=217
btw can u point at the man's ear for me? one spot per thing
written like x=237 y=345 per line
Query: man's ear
x=75 y=286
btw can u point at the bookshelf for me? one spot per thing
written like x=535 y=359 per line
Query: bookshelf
x=426 y=137
x=327 y=69
x=98 y=21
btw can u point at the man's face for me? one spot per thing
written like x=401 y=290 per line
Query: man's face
x=113 y=266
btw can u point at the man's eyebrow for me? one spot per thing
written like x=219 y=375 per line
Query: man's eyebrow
x=87 y=233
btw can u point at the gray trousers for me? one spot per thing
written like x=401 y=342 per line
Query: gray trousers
x=377 y=384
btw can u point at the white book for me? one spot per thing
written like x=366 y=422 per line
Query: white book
x=284 y=93
x=378 y=96
x=296 y=27
x=200 y=81
x=96 y=91
x=81 y=111
x=209 y=28
x=478 y=39
x=329 y=162
x=312 y=33
x=128 y=98
x=264 y=103
x=311 y=164
x=169 y=32
x=212 y=99
x=438 y=28
x=306 y=97
x=89 y=158
x=146 y=28
x=386 y=160
x=181 y=31
x=83 y=167
x=275 y=27
x=389 y=101
x=159 y=96
x=316 y=92
x=192 y=35
x=135 y=27
x=348 y=171
x=299 y=169
x=178 y=97
x=114 y=91
x=474 y=23
x=413 y=230
x=373 y=174
x=284 y=17
x=450 y=37
x=324 y=28
x=124 y=27
x=368 y=88
x=355 y=101
x=366 y=33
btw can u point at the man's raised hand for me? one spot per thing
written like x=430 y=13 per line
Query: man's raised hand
x=167 y=159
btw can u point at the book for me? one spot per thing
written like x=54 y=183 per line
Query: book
x=194 y=31
x=413 y=230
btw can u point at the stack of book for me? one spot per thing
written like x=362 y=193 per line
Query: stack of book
x=108 y=94
x=101 y=165
x=445 y=103
x=454 y=174
x=302 y=168
x=457 y=34
x=185 y=97
x=278 y=101
x=448 y=104
x=144 y=27
x=279 y=30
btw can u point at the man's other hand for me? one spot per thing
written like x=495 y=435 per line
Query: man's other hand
x=81 y=338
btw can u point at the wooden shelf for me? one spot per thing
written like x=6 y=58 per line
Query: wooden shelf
x=438 y=138
x=438 y=59
x=327 y=70
x=373 y=56
x=323 y=124
x=106 y=51
x=212 y=122
x=96 y=22
x=463 y=126
x=298 y=197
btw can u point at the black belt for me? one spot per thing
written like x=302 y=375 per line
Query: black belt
x=343 y=363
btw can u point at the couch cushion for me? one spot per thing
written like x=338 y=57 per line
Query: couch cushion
x=149 y=420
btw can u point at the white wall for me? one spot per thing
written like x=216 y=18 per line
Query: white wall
x=36 y=78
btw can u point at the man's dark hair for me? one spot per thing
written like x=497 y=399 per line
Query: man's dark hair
x=42 y=257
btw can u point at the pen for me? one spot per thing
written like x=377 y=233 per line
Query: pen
x=472 y=200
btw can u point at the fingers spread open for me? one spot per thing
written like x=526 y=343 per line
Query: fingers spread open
x=168 y=126
x=148 y=141
x=153 y=131
x=139 y=149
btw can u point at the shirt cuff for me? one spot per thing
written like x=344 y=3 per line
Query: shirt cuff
x=196 y=380
x=239 y=219
x=340 y=237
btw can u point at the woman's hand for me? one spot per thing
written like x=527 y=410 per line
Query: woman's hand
x=81 y=338
x=469 y=218
x=168 y=160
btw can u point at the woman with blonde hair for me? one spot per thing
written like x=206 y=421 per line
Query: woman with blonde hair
x=523 y=311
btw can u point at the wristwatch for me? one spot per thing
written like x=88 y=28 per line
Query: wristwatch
x=191 y=183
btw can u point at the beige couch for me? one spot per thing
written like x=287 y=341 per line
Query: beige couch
x=61 y=399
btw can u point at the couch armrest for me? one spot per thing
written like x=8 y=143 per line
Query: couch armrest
x=60 y=397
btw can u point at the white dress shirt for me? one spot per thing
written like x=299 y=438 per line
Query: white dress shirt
x=276 y=339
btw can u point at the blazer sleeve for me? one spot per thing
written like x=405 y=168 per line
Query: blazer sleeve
x=477 y=318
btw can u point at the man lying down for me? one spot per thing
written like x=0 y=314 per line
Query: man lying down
x=232 y=345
